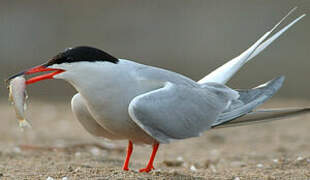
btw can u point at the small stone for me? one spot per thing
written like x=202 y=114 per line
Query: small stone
x=207 y=163
x=77 y=169
x=173 y=163
x=212 y=167
x=193 y=168
x=86 y=166
x=236 y=178
x=49 y=178
x=65 y=178
x=95 y=151
x=299 y=158
x=77 y=154
x=271 y=178
x=180 y=158
x=70 y=169
x=156 y=172
x=17 y=150
x=275 y=160
x=259 y=165
x=134 y=170
x=174 y=172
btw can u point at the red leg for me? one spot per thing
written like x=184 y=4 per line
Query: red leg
x=129 y=151
x=150 y=166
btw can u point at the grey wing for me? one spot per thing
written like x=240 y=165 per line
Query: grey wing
x=177 y=111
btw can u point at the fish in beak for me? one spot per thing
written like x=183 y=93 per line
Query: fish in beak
x=37 y=69
x=17 y=89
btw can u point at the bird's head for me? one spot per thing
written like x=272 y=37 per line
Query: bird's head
x=71 y=60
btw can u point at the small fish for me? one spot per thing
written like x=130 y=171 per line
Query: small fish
x=18 y=97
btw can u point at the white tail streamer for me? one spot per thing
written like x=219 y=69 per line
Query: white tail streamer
x=223 y=73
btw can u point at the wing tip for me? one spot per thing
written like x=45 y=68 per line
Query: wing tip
x=280 y=79
x=276 y=82
x=265 y=115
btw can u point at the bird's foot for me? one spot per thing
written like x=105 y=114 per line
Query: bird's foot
x=125 y=168
x=147 y=169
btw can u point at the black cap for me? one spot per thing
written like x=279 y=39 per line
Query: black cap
x=81 y=53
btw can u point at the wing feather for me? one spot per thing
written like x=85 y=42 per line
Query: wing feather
x=178 y=111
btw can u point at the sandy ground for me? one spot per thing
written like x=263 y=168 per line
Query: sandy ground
x=57 y=147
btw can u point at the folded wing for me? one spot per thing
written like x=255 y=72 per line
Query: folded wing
x=178 y=111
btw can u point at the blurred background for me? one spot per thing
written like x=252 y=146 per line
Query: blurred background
x=189 y=37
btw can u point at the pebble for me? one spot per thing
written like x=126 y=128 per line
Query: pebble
x=238 y=164
x=156 y=172
x=271 y=178
x=95 y=151
x=174 y=172
x=236 y=178
x=77 y=169
x=299 y=158
x=17 y=150
x=49 y=178
x=259 y=165
x=65 y=178
x=275 y=160
x=212 y=167
x=173 y=163
x=207 y=163
x=70 y=169
x=180 y=158
x=77 y=154
x=178 y=162
x=193 y=168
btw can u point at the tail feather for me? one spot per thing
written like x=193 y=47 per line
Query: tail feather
x=264 y=115
x=249 y=100
x=226 y=71
x=274 y=37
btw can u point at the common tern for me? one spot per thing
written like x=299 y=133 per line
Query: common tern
x=123 y=100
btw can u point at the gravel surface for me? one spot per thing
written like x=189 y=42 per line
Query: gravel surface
x=57 y=147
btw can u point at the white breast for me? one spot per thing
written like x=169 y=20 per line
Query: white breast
x=107 y=89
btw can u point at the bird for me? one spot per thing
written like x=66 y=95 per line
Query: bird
x=120 y=99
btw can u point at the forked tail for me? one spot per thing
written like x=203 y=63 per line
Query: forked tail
x=226 y=71
x=240 y=112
